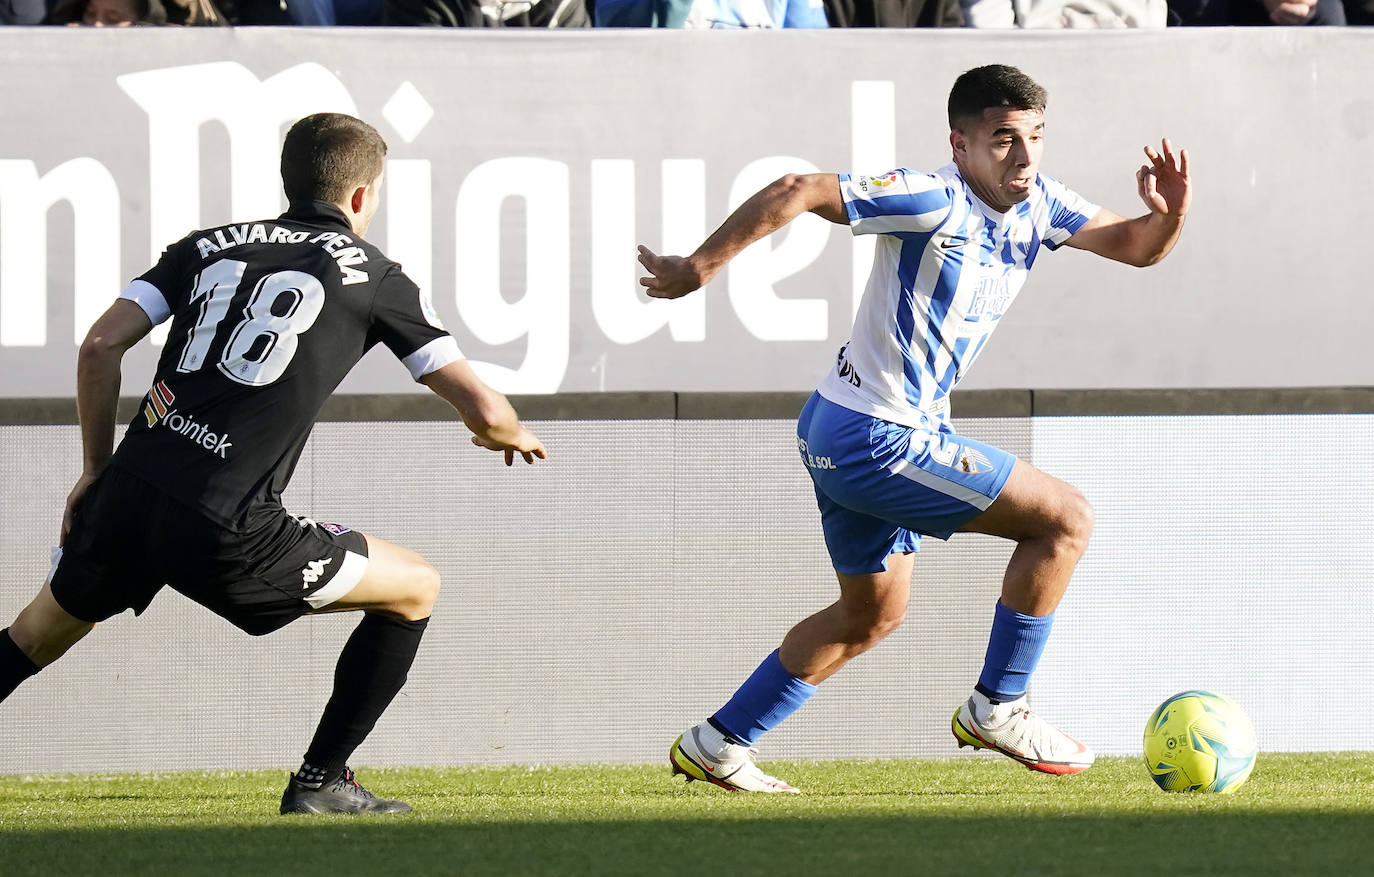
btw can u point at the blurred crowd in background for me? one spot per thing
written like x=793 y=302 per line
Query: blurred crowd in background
x=692 y=14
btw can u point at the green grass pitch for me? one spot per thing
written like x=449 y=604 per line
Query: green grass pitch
x=1298 y=814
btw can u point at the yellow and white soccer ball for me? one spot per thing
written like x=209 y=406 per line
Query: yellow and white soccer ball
x=1197 y=741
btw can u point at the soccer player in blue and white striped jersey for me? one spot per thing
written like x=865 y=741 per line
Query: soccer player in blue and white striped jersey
x=954 y=249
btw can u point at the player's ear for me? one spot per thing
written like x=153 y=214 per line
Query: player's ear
x=358 y=199
x=957 y=142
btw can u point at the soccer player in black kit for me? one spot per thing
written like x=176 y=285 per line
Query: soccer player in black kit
x=267 y=318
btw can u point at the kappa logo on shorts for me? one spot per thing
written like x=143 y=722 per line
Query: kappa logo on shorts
x=336 y=529
x=313 y=570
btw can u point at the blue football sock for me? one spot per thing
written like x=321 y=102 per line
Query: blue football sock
x=1014 y=648
x=767 y=697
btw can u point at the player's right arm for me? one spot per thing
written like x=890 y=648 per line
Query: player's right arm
x=97 y=391
x=486 y=412
x=765 y=212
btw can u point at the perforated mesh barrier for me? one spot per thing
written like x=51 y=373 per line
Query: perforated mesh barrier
x=1232 y=554
x=596 y=605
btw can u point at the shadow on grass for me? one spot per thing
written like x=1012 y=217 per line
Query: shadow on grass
x=1169 y=844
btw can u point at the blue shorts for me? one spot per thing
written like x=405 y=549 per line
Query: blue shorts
x=880 y=485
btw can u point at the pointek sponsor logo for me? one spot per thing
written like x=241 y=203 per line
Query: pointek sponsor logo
x=157 y=410
x=199 y=433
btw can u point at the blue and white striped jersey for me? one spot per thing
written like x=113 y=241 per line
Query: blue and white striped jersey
x=945 y=269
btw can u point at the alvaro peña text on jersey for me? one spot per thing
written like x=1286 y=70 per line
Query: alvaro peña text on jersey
x=339 y=246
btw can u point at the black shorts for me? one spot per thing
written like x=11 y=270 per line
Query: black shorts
x=128 y=540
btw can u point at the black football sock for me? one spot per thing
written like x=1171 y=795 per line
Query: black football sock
x=371 y=670
x=311 y=775
x=15 y=666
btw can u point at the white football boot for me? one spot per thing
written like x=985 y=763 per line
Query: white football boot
x=1016 y=732
x=703 y=753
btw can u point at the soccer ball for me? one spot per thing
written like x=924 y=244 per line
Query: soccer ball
x=1198 y=741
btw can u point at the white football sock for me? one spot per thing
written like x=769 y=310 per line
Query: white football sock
x=712 y=742
x=990 y=714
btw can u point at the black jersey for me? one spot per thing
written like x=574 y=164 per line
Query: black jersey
x=267 y=318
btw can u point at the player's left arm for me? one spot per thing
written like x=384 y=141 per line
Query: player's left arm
x=97 y=390
x=403 y=319
x=1167 y=191
x=486 y=412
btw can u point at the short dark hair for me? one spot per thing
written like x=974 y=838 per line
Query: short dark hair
x=328 y=155
x=995 y=85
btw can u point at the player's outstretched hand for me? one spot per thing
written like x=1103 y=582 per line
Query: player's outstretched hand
x=669 y=276
x=525 y=444
x=1163 y=183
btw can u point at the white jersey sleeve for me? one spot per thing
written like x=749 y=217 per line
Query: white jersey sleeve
x=403 y=318
x=150 y=298
x=897 y=202
x=1067 y=211
x=156 y=289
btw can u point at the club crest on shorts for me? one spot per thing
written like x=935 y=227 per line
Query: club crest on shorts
x=961 y=458
x=336 y=529
x=972 y=461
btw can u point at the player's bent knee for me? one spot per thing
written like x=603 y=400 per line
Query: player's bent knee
x=427 y=588
x=879 y=630
x=1077 y=520
x=422 y=590
x=398 y=582
x=1064 y=521
x=865 y=629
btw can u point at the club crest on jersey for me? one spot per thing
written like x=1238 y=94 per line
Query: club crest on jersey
x=336 y=529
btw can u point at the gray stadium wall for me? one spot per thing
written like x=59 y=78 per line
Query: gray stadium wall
x=596 y=605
